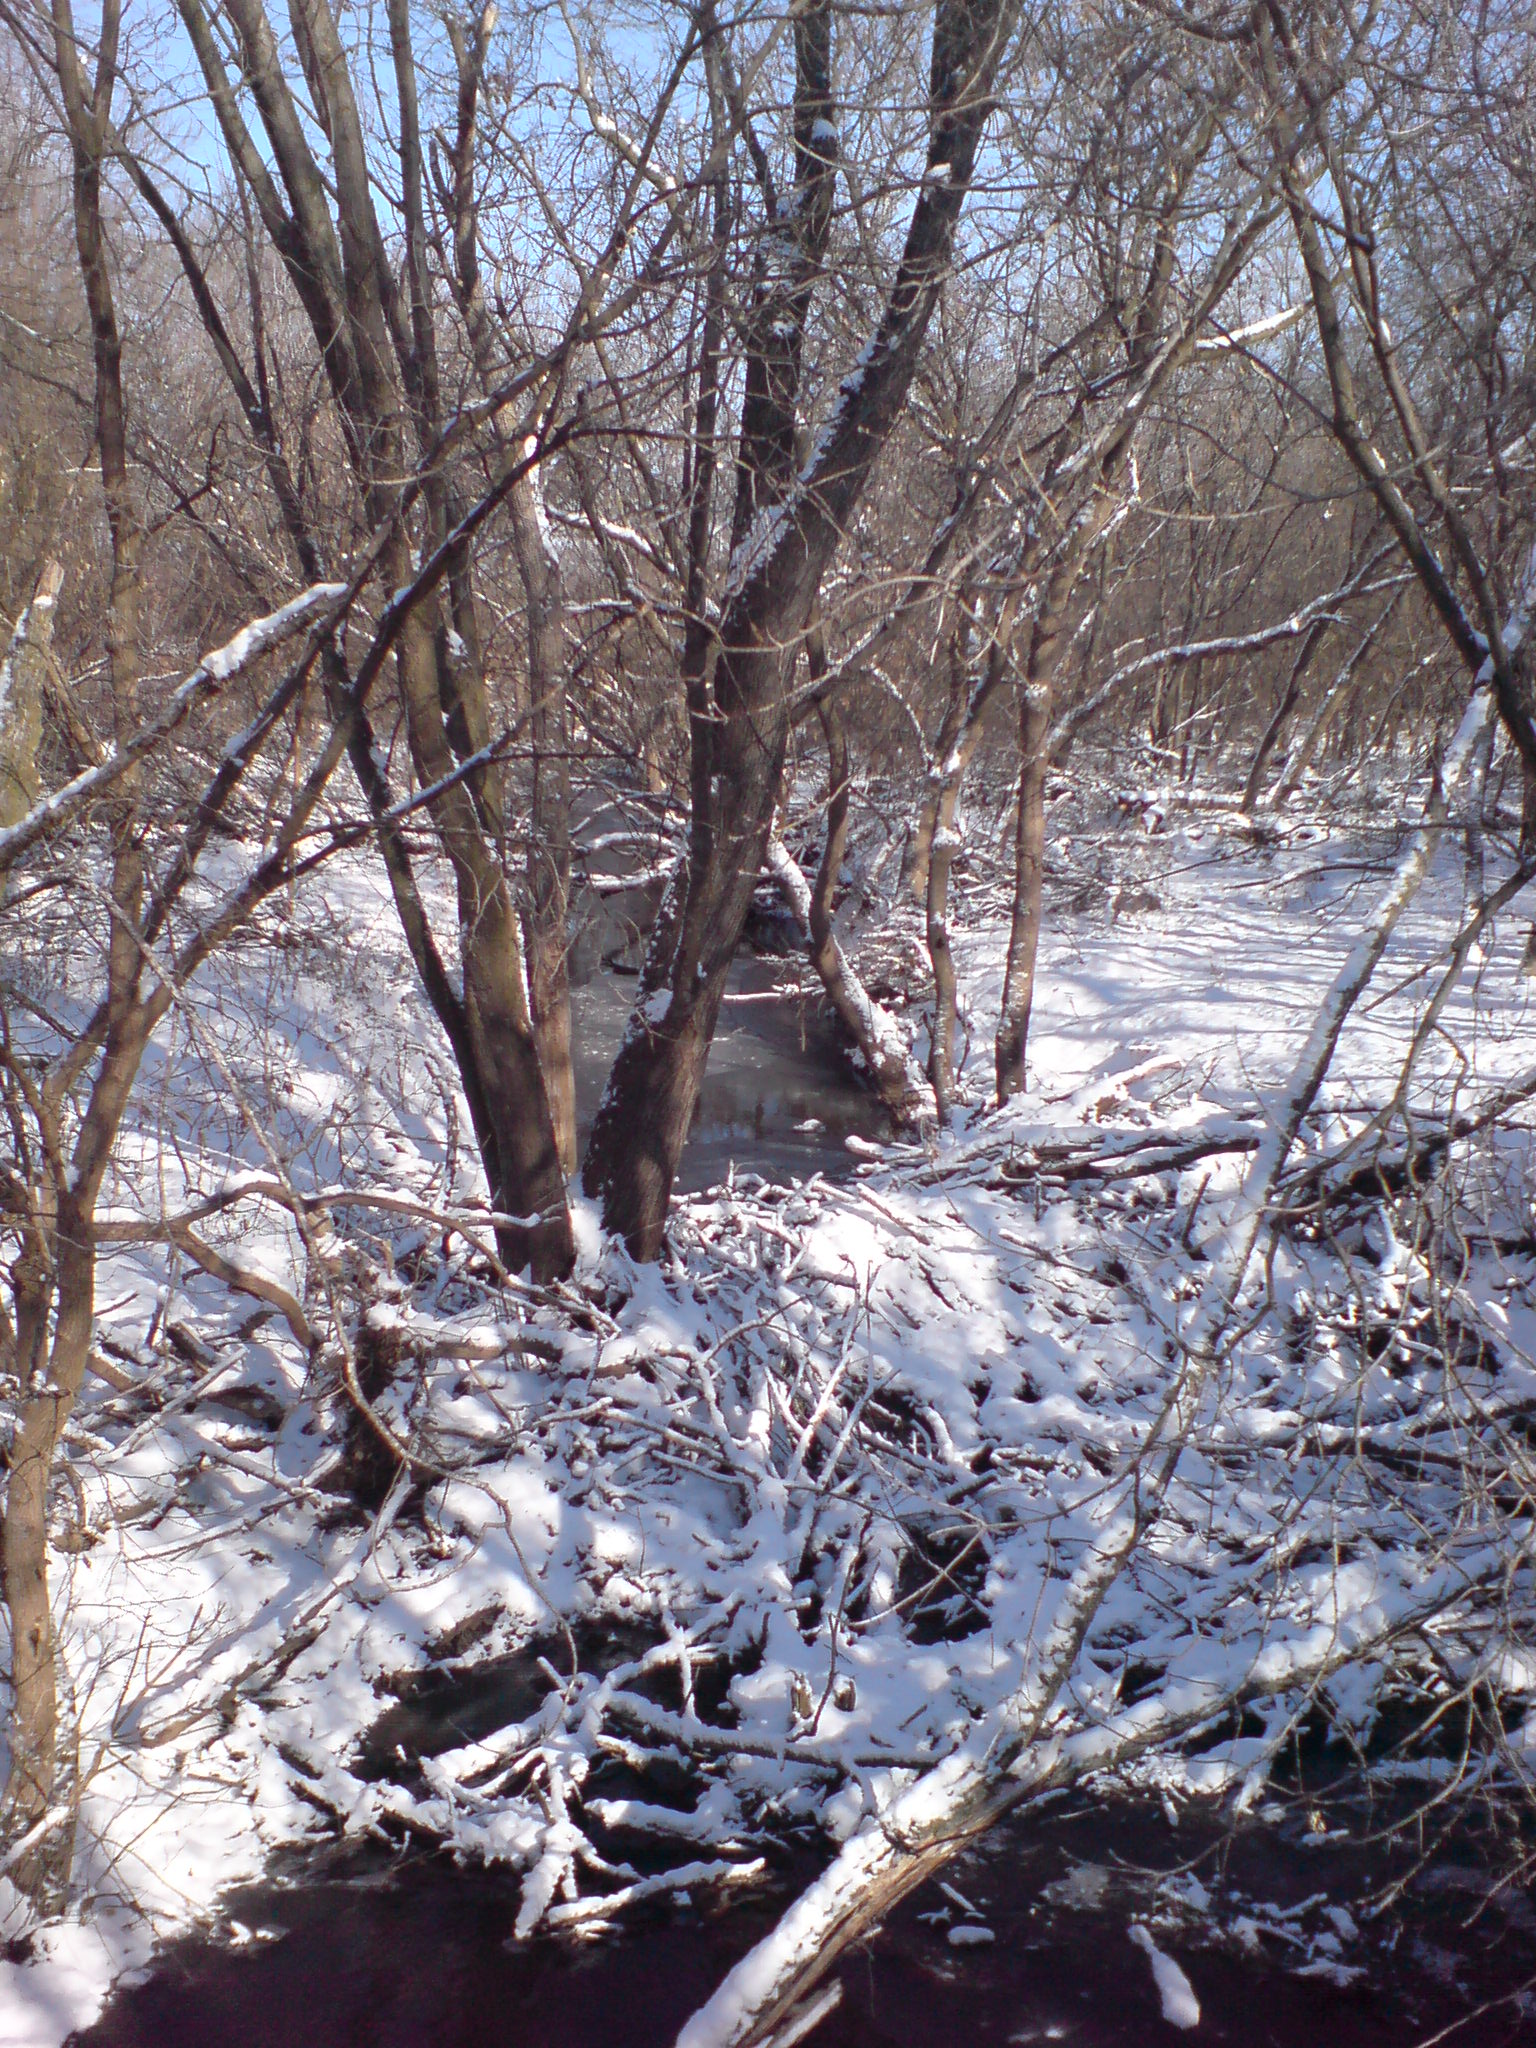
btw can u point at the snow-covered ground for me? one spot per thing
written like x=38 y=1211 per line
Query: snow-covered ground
x=817 y=1477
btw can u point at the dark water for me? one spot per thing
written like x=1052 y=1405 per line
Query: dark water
x=415 y=1954
x=779 y=1095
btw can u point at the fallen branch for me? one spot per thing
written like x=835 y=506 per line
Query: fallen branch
x=1011 y=1755
x=928 y=1824
x=1134 y=1160
x=1319 y=1184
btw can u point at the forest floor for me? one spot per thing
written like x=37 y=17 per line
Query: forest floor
x=740 y=1543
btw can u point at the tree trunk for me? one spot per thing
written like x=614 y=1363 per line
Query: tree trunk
x=941 y=1052
x=1283 y=710
x=1297 y=763
x=340 y=273
x=48 y=1395
x=523 y=1165
x=959 y=737
x=890 y=1065
x=915 y=854
x=1157 y=358
x=1028 y=886
x=546 y=919
x=22 y=677
x=641 y=1126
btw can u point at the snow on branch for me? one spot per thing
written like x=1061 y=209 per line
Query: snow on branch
x=1185 y=652
x=206 y=681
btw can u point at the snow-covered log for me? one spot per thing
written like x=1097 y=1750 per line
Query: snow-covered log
x=1014 y=1750
x=895 y=1075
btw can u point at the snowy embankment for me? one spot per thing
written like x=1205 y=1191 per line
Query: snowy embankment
x=817 y=1478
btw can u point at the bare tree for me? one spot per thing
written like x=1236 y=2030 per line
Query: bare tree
x=380 y=361
x=1426 y=507
x=767 y=603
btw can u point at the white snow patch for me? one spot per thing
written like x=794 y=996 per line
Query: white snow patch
x=1181 y=2008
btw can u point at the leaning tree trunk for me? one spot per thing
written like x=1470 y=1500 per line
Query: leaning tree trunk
x=641 y=1126
x=892 y=1071
x=1288 y=701
x=523 y=1160
x=340 y=273
x=888 y=1060
x=1300 y=759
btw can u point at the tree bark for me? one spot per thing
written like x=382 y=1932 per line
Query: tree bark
x=959 y=738
x=22 y=680
x=643 y=1122
x=548 y=864
x=1283 y=710
x=341 y=275
x=889 y=1064
x=915 y=854
x=60 y=1250
x=1028 y=884
x=546 y=934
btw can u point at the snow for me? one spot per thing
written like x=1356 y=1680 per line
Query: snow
x=773 y=520
x=1181 y=2008
x=18 y=640
x=816 y=1375
x=970 y=1937
x=758 y=543
x=254 y=639
x=63 y=1984
x=1265 y=328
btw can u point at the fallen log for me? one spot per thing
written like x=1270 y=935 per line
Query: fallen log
x=896 y=1077
x=777 y=1994
x=1016 y=1751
